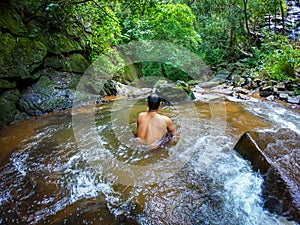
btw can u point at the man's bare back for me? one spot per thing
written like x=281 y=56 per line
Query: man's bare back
x=151 y=126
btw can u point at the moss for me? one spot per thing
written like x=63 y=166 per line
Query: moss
x=10 y=20
x=5 y=84
x=61 y=43
x=7 y=46
x=78 y=63
x=8 y=109
x=28 y=55
x=54 y=62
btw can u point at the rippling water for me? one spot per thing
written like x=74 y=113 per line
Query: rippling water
x=50 y=176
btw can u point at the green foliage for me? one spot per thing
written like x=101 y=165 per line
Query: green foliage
x=215 y=30
x=213 y=47
x=103 y=25
x=175 y=23
x=279 y=59
x=170 y=22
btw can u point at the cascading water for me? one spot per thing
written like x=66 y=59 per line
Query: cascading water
x=293 y=18
x=47 y=180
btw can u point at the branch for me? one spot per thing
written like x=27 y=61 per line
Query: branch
x=100 y=7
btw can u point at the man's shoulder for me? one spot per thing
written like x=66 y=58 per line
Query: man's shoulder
x=165 y=117
x=142 y=113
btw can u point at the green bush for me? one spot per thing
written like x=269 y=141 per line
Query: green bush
x=279 y=59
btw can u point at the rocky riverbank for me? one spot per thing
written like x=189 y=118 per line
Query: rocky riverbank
x=230 y=82
x=39 y=67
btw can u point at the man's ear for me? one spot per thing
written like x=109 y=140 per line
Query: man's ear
x=160 y=104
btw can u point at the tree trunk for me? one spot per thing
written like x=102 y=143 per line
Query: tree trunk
x=247 y=23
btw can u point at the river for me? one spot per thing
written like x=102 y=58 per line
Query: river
x=54 y=173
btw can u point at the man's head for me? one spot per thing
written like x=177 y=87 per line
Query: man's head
x=154 y=101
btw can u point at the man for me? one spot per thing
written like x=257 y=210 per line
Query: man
x=152 y=127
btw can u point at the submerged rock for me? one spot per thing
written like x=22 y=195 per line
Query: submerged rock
x=276 y=156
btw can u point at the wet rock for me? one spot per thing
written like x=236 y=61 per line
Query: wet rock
x=173 y=92
x=276 y=156
x=271 y=98
x=28 y=55
x=293 y=99
x=8 y=106
x=5 y=84
x=10 y=20
x=53 y=92
x=266 y=91
x=76 y=63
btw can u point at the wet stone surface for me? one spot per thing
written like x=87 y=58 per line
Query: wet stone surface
x=276 y=156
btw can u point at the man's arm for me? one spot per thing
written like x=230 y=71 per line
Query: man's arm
x=174 y=136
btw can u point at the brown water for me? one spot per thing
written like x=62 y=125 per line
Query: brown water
x=59 y=170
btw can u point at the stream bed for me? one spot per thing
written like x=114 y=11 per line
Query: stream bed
x=57 y=170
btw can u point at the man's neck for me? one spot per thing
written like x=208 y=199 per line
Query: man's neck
x=153 y=110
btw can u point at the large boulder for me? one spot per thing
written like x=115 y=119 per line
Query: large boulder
x=276 y=156
x=173 y=92
x=53 y=92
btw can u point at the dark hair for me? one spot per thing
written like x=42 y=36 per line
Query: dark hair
x=153 y=101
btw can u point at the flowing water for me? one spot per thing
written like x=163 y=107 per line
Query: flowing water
x=52 y=174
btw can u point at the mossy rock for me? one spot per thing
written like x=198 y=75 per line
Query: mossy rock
x=7 y=46
x=59 y=42
x=8 y=108
x=9 y=19
x=5 y=84
x=53 y=92
x=28 y=55
x=78 y=63
x=75 y=63
x=172 y=92
x=54 y=62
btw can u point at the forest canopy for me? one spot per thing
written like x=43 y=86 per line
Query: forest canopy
x=219 y=32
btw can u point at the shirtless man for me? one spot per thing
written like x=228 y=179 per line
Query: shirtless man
x=153 y=127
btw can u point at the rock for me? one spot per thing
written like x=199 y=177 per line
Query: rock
x=276 y=156
x=293 y=99
x=59 y=43
x=11 y=20
x=28 y=55
x=173 y=92
x=266 y=91
x=7 y=47
x=198 y=89
x=283 y=95
x=271 y=98
x=76 y=63
x=112 y=87
x=5 y=84
x=241 y=90
x=8 y=106
x=53 y=92
x=221 y=76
